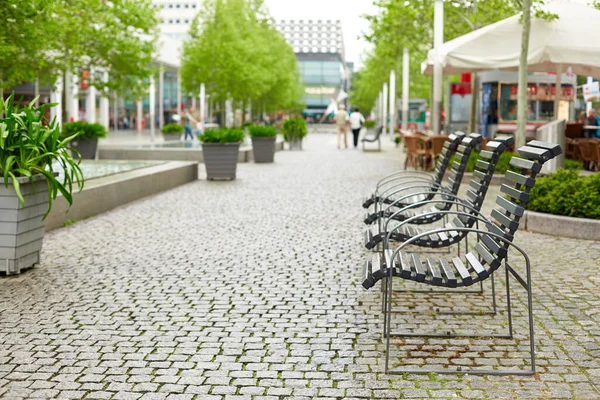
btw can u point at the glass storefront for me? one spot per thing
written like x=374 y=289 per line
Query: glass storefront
x=322 y=80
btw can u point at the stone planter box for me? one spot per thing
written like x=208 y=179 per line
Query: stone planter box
x=86 y=147
x=295 y=144
x=263 y=149
x=220 y=160
x=21 y=227
x=171 y=137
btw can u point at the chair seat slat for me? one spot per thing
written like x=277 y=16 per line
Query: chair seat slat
x=476 y=265
x=504 y=220
x=404 y=260
x=462 y=270
x=525 y=164
x=520 y=179
x=448 y=273
x=419 y=268
x=434 y=271
x=510 y=206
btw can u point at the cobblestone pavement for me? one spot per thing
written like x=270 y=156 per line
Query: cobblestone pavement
x=250 y=290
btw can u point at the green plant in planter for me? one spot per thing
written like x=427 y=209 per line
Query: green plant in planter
x=222 y=135
x=84 y=130
x=29 y=145
x=262 y=131
x=398 y=139
x=370 y=124
x=294 y=129
x=173 y=129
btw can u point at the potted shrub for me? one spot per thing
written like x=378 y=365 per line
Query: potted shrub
x=30 y=149
x=397 y=140
x=172 y=132
x=294 y=130
x=263 y=143
x=220 y=148
x=87 y=137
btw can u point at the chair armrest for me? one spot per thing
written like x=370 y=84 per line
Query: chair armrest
x=436 y=186
x=441 y=191
x=399 y=175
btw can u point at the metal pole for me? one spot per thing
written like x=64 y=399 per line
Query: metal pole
x=152 y=107
x=139 y=115
x=105 y=105
x=202 y=105
x=405 y=88
x=588 y=105
x=178 y=93
x=385 y=105
x=56 y=97
x=115 y=112
x=392 y=102
x=90 y=102
x=73 y=100
x=438 y=39
x=161 y=98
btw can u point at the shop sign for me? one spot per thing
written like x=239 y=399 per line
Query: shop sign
x=322 y=90
x=591 y=91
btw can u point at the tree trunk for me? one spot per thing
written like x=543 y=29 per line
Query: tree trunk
x=522 y=94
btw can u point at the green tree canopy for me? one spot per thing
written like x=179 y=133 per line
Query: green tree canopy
x=236 y=51
x=409 y=23
x=47 y=38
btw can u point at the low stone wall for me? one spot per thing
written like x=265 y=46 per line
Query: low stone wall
x=557 y=225
x=103 y=194
x=169 y=154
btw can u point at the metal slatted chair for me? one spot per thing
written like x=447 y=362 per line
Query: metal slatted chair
x=410 y=215
x=490 y=253
x=401 y=178
x=419 y=193
x=376 y=137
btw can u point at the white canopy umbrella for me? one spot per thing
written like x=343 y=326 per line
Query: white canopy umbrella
x=569 y=41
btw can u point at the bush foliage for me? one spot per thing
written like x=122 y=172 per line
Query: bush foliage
x=222 y=135
x=173 y=129
x=294 y=128
x=567 y=193
x=262 y=131
x=370 y=124
x=85 y=130
x=501 y=168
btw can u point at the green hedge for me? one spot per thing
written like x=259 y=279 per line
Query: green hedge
x=222 y=135
x=501 y=168
x=567 y=193
x=370 y=124
x=86 y=130
x=173 y=129
x=262 y=131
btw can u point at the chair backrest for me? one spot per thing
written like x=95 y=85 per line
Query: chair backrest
x=483 y=173
x=511 y=203
x=458 y=167
x=448 y=148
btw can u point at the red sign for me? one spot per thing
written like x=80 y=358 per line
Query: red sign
x=85 y=76
x=461 y=89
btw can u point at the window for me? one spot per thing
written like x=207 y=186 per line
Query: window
x=187 y=21
x=193 y=5
x=176 y=21
x=170 y=5
x=186 y=5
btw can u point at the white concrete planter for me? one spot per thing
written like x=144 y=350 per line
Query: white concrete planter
x=263 y=149
x=171 y=137
x=220 y=160
x=558 y=225
x=21 y=228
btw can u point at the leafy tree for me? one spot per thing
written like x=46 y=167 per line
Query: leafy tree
x=235 y=50
x=48 y=38
x=409 y=23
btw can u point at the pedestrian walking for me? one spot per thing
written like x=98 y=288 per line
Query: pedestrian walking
x=356 y=122
x=591 y=121
x=341 y=122
x=190 y=124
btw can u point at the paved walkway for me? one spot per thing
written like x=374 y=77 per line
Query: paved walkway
x=250 y=290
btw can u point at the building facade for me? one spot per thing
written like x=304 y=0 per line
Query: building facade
x=319 y=47
x=176 y=16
